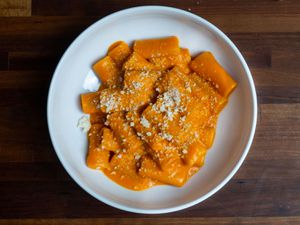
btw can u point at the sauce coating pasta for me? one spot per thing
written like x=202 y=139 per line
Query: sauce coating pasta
x=155 y=115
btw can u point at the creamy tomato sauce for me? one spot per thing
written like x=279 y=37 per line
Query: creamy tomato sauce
x=155 y=115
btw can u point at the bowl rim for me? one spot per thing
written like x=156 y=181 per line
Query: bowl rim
x=184 y=13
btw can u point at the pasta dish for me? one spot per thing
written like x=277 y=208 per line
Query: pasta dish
x=154 y=116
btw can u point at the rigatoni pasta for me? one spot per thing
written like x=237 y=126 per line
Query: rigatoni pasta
x=206 y=66
x=155 y=115
x=151 y=48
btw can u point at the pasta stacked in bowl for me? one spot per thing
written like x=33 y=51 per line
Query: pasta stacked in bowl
x=154 y=116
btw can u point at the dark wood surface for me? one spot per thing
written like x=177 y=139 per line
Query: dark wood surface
x=34 y=187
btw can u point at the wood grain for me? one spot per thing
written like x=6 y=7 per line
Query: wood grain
x=164 y=221
x=15 y=8
x=83 y=8
x=34 y=187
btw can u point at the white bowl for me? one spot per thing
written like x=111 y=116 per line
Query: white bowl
x=236 y=124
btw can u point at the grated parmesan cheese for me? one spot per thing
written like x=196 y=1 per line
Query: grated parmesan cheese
x=84 y=123
x=110 y=102
x=170 y=102
x=137 y=157
x=137 y=85
x=167 y=136
x=145 y=73
x=145 y=122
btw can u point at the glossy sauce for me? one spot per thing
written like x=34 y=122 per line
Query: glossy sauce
x=154 y=117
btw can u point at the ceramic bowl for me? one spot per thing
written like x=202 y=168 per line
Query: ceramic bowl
x=236 y=124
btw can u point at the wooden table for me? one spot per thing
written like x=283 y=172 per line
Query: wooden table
x=34 y=187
